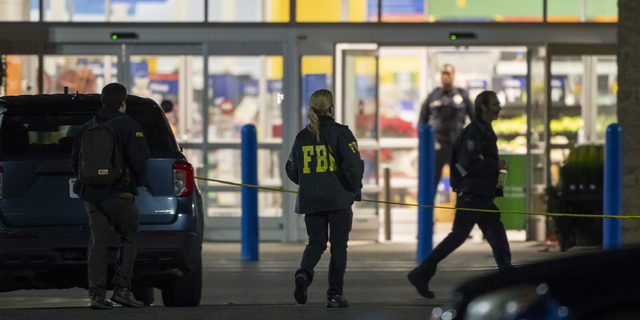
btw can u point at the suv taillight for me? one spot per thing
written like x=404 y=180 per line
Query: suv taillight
x=182 y=178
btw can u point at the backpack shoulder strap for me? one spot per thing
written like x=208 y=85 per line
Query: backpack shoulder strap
x=114 y=119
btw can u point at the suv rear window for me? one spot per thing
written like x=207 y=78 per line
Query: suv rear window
x=22 y=134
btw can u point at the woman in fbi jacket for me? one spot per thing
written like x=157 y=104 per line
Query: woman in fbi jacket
x=325 y=163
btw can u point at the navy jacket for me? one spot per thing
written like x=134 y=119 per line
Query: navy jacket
x=327 y=180
x=133 y=148
x=447 y=113
x=474 y=164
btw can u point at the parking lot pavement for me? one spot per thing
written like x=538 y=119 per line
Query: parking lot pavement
x=375 y=284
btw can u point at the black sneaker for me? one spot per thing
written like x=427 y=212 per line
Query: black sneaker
x=124 y=296
x=336 y=301
x=301 y=288
x=100 y=303
x=421 y=286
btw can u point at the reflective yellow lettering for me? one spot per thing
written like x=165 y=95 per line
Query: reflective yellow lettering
x=354 y=146
x=321 y=154
x=332 y=165
x=308 y=152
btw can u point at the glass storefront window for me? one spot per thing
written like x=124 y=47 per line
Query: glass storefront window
x=313 y=11
x=163 y=79
x=583 y=96
x=337 y=10
x=317 y=73
x=462 y=10
x=370 y=158
x=248 y=10
x=124 y=11
x=403 y=11
x=224 y=165
x=582 y=10
x=567 y=102
x=21 y=77
x=607 y=93
x=82 y=74
x=404 y=164
x=245 y=90
x=20 y=10
x=229 y=204
x=399 y=87
x=361 y=94
x=269 y=167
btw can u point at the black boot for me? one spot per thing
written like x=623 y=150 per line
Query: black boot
x=100 y=303
x=336 y=301
x=301 y=288
x=125 y=297
x=421 y=285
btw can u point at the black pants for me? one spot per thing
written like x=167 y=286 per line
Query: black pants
x=123 y=214
x=489 y=223
x=443 y=155
x=319 y=225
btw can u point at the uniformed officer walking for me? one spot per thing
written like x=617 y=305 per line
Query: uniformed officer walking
x=446 y=107
x=114 y=204
x=326 y=164
x=475 y=169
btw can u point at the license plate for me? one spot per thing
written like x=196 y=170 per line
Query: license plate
x=72 y=194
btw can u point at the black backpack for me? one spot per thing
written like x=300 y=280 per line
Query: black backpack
x=100 y=160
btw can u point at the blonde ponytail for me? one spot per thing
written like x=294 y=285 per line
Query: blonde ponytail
x=319 y=104
x=314 y=123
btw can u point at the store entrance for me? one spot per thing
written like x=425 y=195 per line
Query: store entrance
x=581 y=105
x=379 y=94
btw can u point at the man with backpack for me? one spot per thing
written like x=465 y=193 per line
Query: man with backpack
x=110 y=155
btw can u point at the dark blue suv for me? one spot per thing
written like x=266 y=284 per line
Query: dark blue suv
x=44 y=232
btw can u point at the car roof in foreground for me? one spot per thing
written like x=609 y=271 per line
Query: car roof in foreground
x=71 y=102
x=611 y=266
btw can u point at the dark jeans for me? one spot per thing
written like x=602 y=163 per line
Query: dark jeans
x=489 y=223
x=336 y=224
x=123 y=214
x=443 y=155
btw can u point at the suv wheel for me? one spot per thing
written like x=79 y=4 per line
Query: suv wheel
x=143 y=293
x=185 y=291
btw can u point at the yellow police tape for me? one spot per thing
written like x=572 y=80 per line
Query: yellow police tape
x=438 y=207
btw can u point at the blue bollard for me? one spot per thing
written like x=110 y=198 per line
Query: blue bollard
x=426 y=190
x=249 y=221
x=612 y=227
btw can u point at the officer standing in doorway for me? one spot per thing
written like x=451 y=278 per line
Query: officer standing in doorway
x=446 y=107
x=475 y=176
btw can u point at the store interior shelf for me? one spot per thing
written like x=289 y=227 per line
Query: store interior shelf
x=559 y=146
x=399 y=143
x=509 y=136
